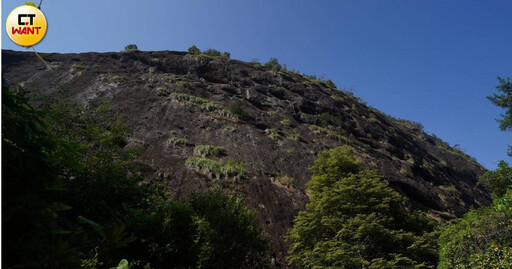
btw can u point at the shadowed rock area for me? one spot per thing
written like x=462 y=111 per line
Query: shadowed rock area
x=274 y=122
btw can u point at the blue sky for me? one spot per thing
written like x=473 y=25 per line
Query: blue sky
x=429 y=61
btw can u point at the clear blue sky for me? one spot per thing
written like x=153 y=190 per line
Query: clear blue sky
x=429 y=61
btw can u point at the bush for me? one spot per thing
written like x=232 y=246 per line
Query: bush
x=227 y=234
x=499 y=181
x=212 y=52
x=328 y=133
x=216 y=170
x=354 y=220
x=329 y=83
x=131 y=47
x=182 y=86
x=179 y=141
x=193 y=50
x=272 y=132
x=205 y=104
x=286 y=180
x=238 y=110
x=212 y=229
x=481 y=239
x=295 y=137
x=208 y=151
x=273 y=64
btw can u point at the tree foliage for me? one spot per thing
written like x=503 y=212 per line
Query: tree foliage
x=131 y=47
x=481 y=239
x=354 y=220
x=499 y=181
x=273 y=64
x=504 y=100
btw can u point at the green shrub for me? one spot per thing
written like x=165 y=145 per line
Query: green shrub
x=79 y=67
x=328 y=133
x=238 y=110
x=233 y=170
x=130 y=47
x=208 y=151
x=162 y=91
x=205 y=104
x=286 y=180
x=410 y=124
x=330 y=84
x=286 y=122
x=212 y=52
x=193 y=50
x=272 y=132
x=481 y=239
x=337 y=97
x=179 y=141
x=295 y=137
x=216 y=170
x=182 y=86
x=230 y=129
x=450 y=189
x=273 y=64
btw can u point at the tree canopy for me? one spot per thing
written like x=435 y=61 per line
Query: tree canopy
x=354 y=220
x=481 y=239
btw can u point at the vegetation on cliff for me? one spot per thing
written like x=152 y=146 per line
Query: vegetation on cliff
x=73 y=198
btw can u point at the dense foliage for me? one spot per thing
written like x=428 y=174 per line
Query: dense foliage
x=499 y=181
x=481 y=239
x=72 y=198
x=354 y=220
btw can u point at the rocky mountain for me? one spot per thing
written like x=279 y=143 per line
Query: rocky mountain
x=270 y=124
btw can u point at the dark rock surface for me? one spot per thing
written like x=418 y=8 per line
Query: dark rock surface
x=432 y=175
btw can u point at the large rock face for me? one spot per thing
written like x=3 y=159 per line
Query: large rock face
x=287 y=119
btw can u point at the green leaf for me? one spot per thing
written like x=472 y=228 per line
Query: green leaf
x=123 y=264
x=28 y=3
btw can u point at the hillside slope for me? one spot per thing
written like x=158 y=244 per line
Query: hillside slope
x=275 y=122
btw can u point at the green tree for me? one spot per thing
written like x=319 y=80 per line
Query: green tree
x=354 y=220
x=504 y=100
x=131 y=47
x=193 y=50
x=32 y=222
x=499 y=181
x=227 y=235
x=481 y=239
x=273 y=64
